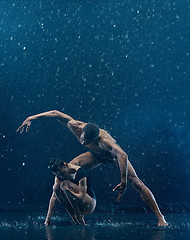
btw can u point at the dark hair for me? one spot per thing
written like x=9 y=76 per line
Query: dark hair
x=91 y=131
x=55 y=164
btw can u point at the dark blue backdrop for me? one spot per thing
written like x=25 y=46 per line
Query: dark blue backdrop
x=123 y=64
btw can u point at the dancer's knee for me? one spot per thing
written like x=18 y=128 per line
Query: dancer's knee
x=136 y=183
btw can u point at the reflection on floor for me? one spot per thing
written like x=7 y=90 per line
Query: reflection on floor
x=121 y=225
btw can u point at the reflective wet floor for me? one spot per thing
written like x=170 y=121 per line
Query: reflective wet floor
x=100 y=226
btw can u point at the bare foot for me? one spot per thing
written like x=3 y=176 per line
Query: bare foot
x=84 y=221
x=74 y=219
x=162 y=222
x=47 y=222
x=79 y=221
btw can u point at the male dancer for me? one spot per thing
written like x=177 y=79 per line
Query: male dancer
x=102 y=148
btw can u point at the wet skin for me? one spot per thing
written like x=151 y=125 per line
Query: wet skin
x=104 y=143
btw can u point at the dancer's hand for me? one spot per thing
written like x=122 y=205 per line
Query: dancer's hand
x=121 y=187
x=26 y=124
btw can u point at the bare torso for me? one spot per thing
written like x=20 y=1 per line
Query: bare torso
x=99 y=151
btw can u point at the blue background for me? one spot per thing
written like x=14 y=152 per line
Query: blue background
x=122 y=64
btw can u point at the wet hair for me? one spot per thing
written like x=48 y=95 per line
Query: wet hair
x=55 y=164
x=91 y=131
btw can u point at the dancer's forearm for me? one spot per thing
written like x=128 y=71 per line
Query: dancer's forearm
x=51 y=206
x=64 y=118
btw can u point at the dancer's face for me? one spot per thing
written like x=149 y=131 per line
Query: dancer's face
x=62 y=172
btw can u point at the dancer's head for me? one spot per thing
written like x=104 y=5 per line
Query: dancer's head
x=90 y=133
x=58 y=166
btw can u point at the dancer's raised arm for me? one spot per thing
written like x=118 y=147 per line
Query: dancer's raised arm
x=62 y=117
